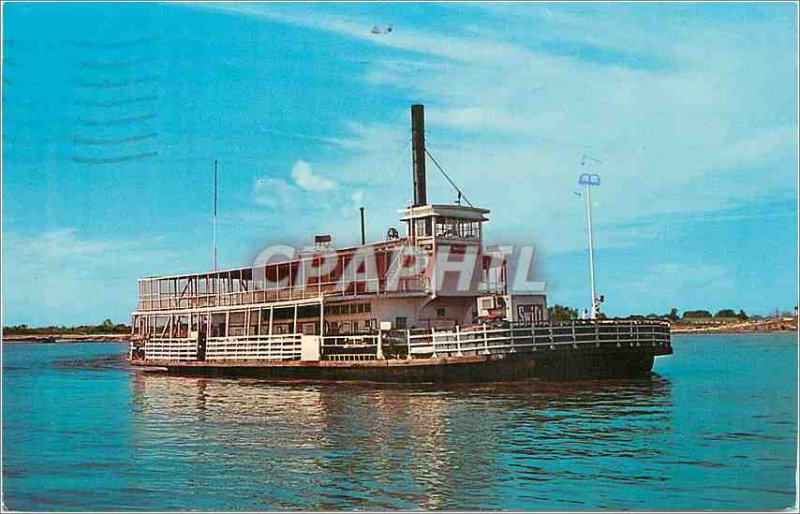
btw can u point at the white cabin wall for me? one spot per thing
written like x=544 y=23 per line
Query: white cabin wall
x=460 y=310
x=389 y=309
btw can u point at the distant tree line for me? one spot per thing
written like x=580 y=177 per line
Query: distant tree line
x=564 y=313
x=106 y=327
x=561 y=313
x=724 y=313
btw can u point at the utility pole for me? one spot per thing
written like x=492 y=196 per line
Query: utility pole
x=215 y=215
x=589 y=180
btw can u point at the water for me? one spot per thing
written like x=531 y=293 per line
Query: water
x=714 y=428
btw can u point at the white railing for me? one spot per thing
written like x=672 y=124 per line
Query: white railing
x=165 y=301
x=486 y=340
x=170 y=349
x=479 y=340
x=275 y=347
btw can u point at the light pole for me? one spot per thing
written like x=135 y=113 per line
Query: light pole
x=589 y=180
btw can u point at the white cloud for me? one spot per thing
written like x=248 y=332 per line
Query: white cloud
x=312 y=204
x=272 y=192
x=278 y=193
x=305 y=178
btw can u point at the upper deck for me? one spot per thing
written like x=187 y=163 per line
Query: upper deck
x=364 y=270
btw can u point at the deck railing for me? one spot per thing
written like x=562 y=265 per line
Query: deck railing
x=275 y=347
x=170 y=349
x=350 y=347
x=478 y=340
x=153 y=302
x=486 y=340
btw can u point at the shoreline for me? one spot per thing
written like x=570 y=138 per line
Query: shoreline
x=65 y=338
x=723 y=332
x=765 y=326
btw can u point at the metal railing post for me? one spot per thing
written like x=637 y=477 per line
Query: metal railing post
x=408 y=341
x=458 y=342
x=597 y=335
x=485 y=340
x=433 y=341
x=574 y=337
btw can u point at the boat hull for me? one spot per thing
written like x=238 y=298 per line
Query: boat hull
x=552 y=365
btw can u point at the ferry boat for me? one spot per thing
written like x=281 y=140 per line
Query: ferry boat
x=387 y=311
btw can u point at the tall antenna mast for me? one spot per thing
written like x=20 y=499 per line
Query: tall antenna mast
x=215 y=215
x=589 y=180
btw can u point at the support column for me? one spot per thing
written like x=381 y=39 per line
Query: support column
x=321 y=318
x=271 y=312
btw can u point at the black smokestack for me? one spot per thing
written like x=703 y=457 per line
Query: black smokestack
x=418 y=153
x=363 y=233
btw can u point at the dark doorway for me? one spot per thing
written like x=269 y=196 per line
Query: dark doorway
x=201 y=344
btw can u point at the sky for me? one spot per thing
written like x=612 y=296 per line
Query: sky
x=114 y=113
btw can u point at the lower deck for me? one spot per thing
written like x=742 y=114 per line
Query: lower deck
x=554 y=365
x=478 y=353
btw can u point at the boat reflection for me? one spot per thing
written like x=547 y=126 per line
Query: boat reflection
x=334 y=446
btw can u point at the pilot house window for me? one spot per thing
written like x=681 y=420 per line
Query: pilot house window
x=457 y=228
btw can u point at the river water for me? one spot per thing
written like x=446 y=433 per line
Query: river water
x=715 y=427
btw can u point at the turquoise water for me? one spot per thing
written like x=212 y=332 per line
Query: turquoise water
x=714 y=428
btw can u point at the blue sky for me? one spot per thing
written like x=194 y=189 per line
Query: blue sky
x=113 y=115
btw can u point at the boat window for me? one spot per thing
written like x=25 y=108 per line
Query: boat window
x=400 y=322
x=457 y=228
x=421 y=227
x=218 y=325
x=181 y=328
x=254 y=317
x=440 y=312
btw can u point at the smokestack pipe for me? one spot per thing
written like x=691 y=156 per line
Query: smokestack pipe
x=363 y=234
x=418 y=153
